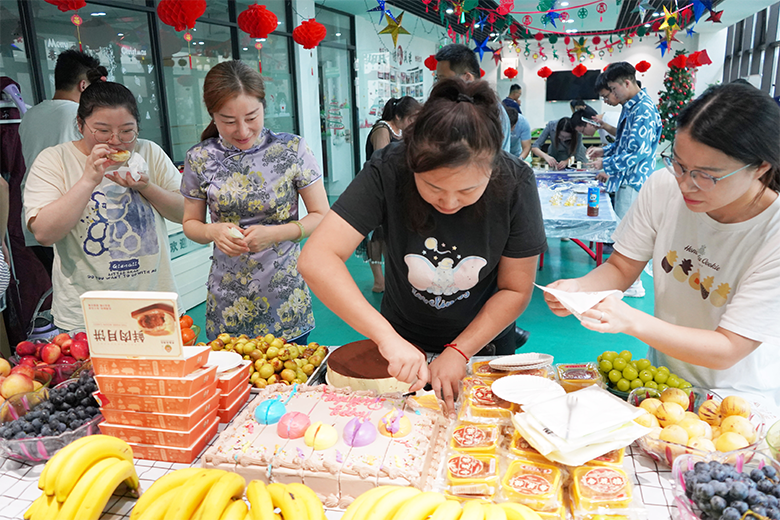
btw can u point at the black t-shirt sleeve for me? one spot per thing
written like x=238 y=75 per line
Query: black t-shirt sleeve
x=526 y=231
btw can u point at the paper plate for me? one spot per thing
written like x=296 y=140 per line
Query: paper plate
x=528 y=360
x=224 y=360
x=526 y=390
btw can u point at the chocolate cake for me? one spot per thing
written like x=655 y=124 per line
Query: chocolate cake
x=360 y=366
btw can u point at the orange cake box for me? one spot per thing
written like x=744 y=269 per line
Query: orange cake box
x=226 y=414
x=230 y=379
x=194 y=358
x=482 y=438
x=520 y=447
x=612 y=458
x=159 y=403
x=481 y=402
x=151 y=385
x=472 y=475
x=599 y=487
x=573 y=377
x=164 y=421
x=533 y=483
x=171 y=454
x=172 y=438
x=225 y=400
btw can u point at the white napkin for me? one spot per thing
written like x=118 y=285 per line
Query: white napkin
x=135 y=166
x=579 y=302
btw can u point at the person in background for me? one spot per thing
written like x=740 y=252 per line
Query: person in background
x=52 y=122
x=565 y=143
x=513 y=99
x=628 y=162
x=711 y=224
x=521 y=134
x=5 y=272
x=396 y=116
x=587 y=122
x=108 y=229
x=464 y=230
x=577 y=104
x=250 y=178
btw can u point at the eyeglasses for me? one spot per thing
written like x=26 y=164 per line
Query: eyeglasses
x=703 y=181
x=103 y=136
x=611 y=91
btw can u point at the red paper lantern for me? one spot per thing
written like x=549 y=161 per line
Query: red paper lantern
x=643 y=66
x=596 y=40
x=309 y=34
x=510 y=72
x=579 y=70
x=67 y=5
x=505 y=7
x=539 y=36
x=481 y=73
x=430 y=62
x=679 y=62
x=180 y=14
x=544 y=72
x=567 y=40
x=258 y=21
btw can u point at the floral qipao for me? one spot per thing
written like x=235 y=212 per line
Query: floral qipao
x=254 y=293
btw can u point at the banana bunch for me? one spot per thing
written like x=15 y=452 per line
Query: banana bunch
x=407 y=503
x=212 y=494
x=79 y=480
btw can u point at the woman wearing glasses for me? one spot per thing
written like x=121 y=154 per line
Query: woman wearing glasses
x=711 y=223
x=108 y=229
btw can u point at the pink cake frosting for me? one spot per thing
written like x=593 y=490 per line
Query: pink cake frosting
x=341 y=472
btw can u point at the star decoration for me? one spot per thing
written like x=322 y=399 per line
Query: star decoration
x=690 y=32
x=670 y=21
x=382 y=8
x=642 y=8
x=497 y=55
x=663 y=45
x=552 y=16
x=580 y=47
x=480 y=24
x=482 y=47
x=715 y=16
x=394 y=27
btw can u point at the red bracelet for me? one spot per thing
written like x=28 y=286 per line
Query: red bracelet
x=454 y=346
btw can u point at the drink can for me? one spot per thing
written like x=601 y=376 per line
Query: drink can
x=593 y=201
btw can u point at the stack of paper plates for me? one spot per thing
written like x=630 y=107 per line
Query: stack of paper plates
x=526 y=390
x=526 y=361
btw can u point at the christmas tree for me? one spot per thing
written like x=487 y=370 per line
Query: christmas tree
x=679 y=92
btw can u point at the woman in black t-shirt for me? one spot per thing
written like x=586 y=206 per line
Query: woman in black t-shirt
x=463 y=227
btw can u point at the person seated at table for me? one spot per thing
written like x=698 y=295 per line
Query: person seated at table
x=564 y=143
x=463 y=227
x=711 y=224
x=521 y=134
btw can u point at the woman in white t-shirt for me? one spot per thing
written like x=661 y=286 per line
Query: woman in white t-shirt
x=108 y=228
x=711 y=223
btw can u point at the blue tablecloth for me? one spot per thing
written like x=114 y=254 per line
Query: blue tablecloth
x=573 y=221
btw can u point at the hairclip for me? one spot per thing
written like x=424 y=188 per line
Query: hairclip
x=103 y=78
x=464 y=97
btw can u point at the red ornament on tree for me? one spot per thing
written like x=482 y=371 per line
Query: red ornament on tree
x=180 y=14
x=544 y=72
x=579 y=70
x=67 y=5
x=643 y=66
x=430 y=62
x=309 y=34
x=510 y=72
x=258 y=21
x=679 y=62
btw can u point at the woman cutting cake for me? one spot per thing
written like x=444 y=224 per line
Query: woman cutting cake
x=463 y=226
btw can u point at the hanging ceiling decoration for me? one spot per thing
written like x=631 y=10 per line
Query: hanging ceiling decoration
x=258 y=21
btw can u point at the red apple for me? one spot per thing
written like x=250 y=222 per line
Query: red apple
x=51 y=353
x=5 y=367
x=24 y=370
x=66 y=360
x=61 y=338
x=25 y=348
x=16 y=384
x=81 y=336
x=29 y=361
x=66 y=346
x=79 y=349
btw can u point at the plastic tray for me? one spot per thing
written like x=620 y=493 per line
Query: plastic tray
x=39 y=449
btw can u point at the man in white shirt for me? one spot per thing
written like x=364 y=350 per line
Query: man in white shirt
x=52 y=122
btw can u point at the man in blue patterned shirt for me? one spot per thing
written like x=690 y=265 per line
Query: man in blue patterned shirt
x=631 y=158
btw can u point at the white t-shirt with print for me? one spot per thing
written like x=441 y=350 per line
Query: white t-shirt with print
x=708 y=275
x=120 y=242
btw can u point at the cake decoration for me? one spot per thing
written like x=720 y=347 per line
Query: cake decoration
x=359 y=432
x=293 y=425
x=395 y=424
x=272 y=410
x=321 y=436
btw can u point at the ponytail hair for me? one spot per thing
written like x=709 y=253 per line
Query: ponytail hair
x=226 y=81
x=400 y=108
x=99 y=73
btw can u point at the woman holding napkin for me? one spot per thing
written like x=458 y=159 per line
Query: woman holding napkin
x=711 y=223
x=107 y=224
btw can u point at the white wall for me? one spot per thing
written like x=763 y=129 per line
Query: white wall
x=715 y=43
x=308 y=98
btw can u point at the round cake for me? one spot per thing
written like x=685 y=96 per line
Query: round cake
x=360 y=366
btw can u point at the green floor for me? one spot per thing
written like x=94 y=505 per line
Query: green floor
x=564 y=338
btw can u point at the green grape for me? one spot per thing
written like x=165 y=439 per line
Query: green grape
x=662 y=387
x=684 y=384
x=673 y=381
x=630 y=373
x=633 y=364
x=609 y=355
x=636 y=383
x=651 y=384
x=598 y=359
x=652 y=370
x=615 y=375
x=619 y=364
x=623 y=385
x=663 y=369
x=605 y=366
x=625 y=355
x=661 y=377
x=645 y=376
x=642 y=364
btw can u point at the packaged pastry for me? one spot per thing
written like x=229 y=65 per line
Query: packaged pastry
x=472 y=475
x=612 y=458
x=596 y=487
x=559 y=513
x=483 y=370
x=520 y=447
x=481 y=403
x=470 y=438
x=534 y=484
x=573 y=377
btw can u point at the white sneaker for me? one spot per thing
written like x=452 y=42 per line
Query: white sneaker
x=636 y=290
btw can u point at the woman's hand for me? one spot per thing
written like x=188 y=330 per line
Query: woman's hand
x=447 y=371
x=596 y=164
x=406 y=362
x=556 y=306
x=223 y=238
x=126 y=180
x=259 y=238
x=551 y=161
x=96 y=164
x=561 y=165
x=612 y=314
x=594 y=152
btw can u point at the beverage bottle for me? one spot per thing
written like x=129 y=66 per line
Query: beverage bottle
x=593 y=201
